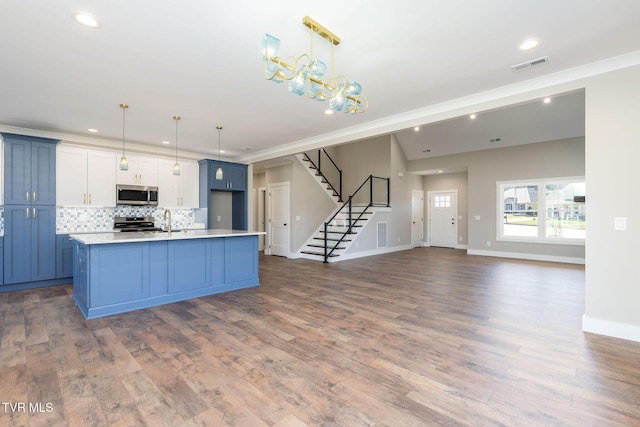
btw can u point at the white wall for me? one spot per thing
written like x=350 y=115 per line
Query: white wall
x=612 y=305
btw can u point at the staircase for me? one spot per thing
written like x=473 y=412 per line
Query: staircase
x=315 y=168
x=334 y=237
x=338 y=235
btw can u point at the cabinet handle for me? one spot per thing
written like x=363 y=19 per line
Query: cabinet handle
x=27 y=196
x=34 y=196
x=27 y=215
x=80 y=266
x=181 y=201
x=89 y=198
x=84 y=198
x=34 y=213
x=140 y=179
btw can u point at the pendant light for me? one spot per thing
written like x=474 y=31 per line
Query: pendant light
x=176 y=167
x=219 y=173
x=124 y=163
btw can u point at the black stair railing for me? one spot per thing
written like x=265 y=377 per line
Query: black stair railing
x=379 y=194
x=328 y=170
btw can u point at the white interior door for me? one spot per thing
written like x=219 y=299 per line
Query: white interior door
x=261 y=215
x=443 y=222
x=417 y=218
x=279 y=219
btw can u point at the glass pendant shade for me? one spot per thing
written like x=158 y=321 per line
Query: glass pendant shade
x=298 y=84
x=124 y=163
x=219 y=173
x=270 y=49
x=270 y=46
x=176 y=166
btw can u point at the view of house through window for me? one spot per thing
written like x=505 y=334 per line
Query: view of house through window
x=543 y=210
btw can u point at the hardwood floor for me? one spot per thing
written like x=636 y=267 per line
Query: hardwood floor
x=421 y=337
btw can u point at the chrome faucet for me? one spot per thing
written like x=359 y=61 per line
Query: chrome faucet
x=168 y=212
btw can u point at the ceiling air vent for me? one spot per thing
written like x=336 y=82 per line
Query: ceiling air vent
x=530 y=64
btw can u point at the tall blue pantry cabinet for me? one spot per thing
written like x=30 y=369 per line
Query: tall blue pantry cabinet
x=29 y=258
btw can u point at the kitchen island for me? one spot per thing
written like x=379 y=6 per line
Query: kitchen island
x=119 y=272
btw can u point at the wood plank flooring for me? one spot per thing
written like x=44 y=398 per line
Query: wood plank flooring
x=422 y=337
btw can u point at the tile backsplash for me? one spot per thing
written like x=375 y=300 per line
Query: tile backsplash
x=91 y=220
x=96 y=220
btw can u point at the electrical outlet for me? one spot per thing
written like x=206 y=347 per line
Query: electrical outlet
x=488 y=242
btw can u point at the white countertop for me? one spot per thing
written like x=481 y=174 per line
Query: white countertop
x=119 y=237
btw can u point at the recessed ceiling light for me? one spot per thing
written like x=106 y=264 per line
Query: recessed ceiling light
x=529 y=44
x=166 y=142
x=472 y=116
x=440 y=171
x=328 y=112
x=93 y=130
x=547 y=100
x=86 y=19
x=417 y=128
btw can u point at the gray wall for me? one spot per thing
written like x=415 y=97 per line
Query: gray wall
x=552 y=159
x=307 y=200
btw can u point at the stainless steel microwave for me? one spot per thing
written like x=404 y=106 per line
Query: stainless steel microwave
x=138 y=195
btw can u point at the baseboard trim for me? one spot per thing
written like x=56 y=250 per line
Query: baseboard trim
x=532 y=257
x=363 y=254
x=611 y=329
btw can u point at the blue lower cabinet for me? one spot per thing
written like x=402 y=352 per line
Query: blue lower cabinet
x=189 y=265
x=118 y=273
x=81 y=276
x=1 y=263
x=120 y=277
x=64 y=256
x=239 y=264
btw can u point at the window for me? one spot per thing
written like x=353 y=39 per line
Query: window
x=442 y=201
x=546 y=210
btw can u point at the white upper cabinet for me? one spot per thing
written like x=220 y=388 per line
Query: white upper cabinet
x=178 y=191
x=85 y=177
x=142 y=171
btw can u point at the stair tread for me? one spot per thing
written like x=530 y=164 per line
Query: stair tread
x=331 y=240
x=322 y=246
x=318 y=253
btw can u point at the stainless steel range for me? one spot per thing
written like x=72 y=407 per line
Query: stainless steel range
x=134 y=223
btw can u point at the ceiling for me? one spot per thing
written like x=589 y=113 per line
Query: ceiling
x=202 y=60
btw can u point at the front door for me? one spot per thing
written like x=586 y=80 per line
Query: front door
x=443 y=223
x=279 y=219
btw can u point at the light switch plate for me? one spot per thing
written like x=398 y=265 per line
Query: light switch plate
x=620 y=223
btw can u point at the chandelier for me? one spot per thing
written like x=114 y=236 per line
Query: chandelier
x=306 y=73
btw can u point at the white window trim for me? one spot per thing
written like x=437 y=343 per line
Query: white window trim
x=541 y=183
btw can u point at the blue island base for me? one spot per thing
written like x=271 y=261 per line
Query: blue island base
x=120 y=277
